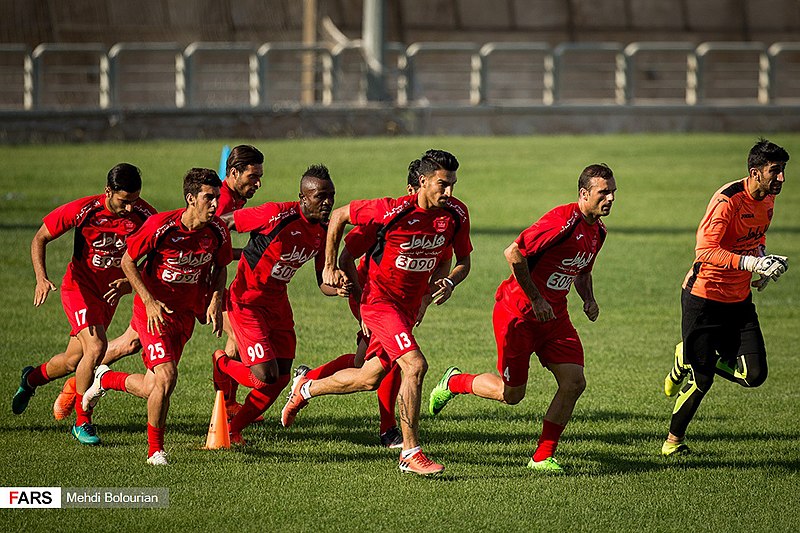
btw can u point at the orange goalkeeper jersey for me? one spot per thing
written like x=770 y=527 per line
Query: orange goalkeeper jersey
x=735 y=224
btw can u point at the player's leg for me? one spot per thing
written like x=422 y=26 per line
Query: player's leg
x=93 y=343
x=571 y=384
x=679 y=371
x=259 y=400
x=345 y=381
x=165 y=376
x=390 y=435
x=229 y=390
x=743 y=355
x=57 y=366
x=126 y=344
x=515 y=342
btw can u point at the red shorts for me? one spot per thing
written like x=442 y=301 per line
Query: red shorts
x=263 y=333
x=554 y=342
x=159 y=348
x=85 y=309
x=390 y=332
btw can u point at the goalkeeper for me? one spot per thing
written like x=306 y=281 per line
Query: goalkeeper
x=720 y=329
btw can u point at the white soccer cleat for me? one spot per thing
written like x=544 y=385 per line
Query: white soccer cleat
x=95 y=391
x=158 y=458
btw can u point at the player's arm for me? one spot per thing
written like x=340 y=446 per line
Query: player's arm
x=347 y=264
x=39 y=260
x=583 y=285
x=214 y=311
x=155 y=308
x=227 y=219
x=340 y=217
x=519 y=267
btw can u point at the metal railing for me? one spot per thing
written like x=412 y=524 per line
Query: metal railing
x=248 y=76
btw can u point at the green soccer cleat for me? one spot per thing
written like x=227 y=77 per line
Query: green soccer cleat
x=674 y=380
x=23 y=395
x=669 y=449
x=549 y=465
x=86 y=434
x=440 y=394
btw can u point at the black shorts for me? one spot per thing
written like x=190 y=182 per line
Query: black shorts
x=713 y=330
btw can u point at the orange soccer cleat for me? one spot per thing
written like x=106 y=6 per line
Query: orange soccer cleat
x=65 y=401
x=419 y=464
x=295 y=402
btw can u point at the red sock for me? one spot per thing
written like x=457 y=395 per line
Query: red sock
x=155 y=439
x=387 y=397
x=81 y=416
x=331 y=367
x=258 y=401
x=461 y=383
x=114 y=381
x=239 y=372
x=548 y=441
x=38 y=376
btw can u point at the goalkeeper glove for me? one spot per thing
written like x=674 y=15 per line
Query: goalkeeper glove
x=772 y=266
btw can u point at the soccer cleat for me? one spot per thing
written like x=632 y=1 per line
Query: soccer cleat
x=440 y=394
x=86 y=434
x=674 y=380
x=23 y=395
x=294 y=402
x=674 y=448
x=221 y=380
x=65 y=401
x=392 y=438
x=419 y=464
x=158 y=458
x=549 y=465
x=302 y=370
x=95 y=391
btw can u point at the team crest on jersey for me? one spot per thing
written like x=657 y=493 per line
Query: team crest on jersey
x=205 y=242
x=128 y=225
x=440 y=224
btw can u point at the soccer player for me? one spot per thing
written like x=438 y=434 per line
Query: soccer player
x=243 y=179
x=357 y=243
x=89 y=292
x=283 y=236
x=719 y=324
x=530 y=313
x=185 y=253
x=415 y=233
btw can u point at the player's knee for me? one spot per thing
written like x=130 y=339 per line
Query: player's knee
x=702 y=381
x=133 y=346
x=573 y=386
x=414 y=365
x=371 y=382
x=513 y=396
x=756 y=377
x=265 y=373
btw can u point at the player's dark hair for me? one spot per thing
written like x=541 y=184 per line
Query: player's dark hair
x=243 y=156
x=413 y=173
x=319 y=172
x=124 y=177
x=600 y=170
x=765 y=152
x=197 y=177
x=434 y=160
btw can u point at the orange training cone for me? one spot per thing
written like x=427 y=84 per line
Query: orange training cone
x=218 y=431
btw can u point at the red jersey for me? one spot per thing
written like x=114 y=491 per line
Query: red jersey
x=100 y=240
x=178 y=260
x=410 y=244
x=281 y=241
x=558 y=247
x=735 y=224
x=227 y=200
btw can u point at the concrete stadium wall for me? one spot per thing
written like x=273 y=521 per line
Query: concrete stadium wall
x=555 y=21
x=92 y=126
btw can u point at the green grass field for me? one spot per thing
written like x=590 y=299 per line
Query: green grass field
x=327 y=472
